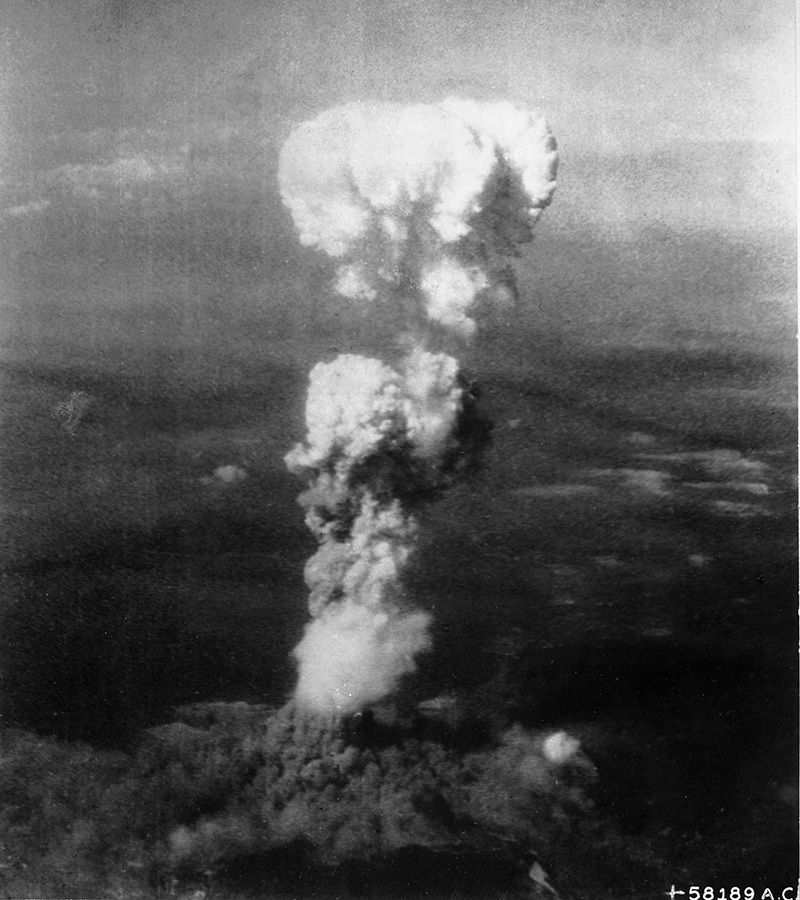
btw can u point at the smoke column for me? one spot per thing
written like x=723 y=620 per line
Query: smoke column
x=421 y=207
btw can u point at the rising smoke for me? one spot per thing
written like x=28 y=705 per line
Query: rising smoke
x=421 y=207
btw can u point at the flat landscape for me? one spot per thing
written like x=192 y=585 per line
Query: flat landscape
x=622 y=566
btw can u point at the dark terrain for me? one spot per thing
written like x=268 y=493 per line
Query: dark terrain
x=623 y=567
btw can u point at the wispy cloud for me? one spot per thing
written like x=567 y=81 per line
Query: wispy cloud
x=737 y=510
x=225 y=475
x=23 y=210
x=754 y=488
x=720 y=463
x=154 y=166
x=647 y=481
x=121 y=173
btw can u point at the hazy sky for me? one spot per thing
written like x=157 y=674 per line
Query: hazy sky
x=622 y=75
x=166 y=104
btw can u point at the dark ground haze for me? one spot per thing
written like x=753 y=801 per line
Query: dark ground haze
x=623 y=567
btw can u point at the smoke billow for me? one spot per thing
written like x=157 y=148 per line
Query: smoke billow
x=225 y=799
x=421 y=207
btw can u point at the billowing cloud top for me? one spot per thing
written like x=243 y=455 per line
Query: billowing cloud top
x=355 y=404
x=394 y=192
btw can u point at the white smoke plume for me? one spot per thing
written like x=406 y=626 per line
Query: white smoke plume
x=427 y=199
x=421 y=206
x=377 y=440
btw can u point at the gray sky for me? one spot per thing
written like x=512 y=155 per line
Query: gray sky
x=676 y=115
x=621 y=75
